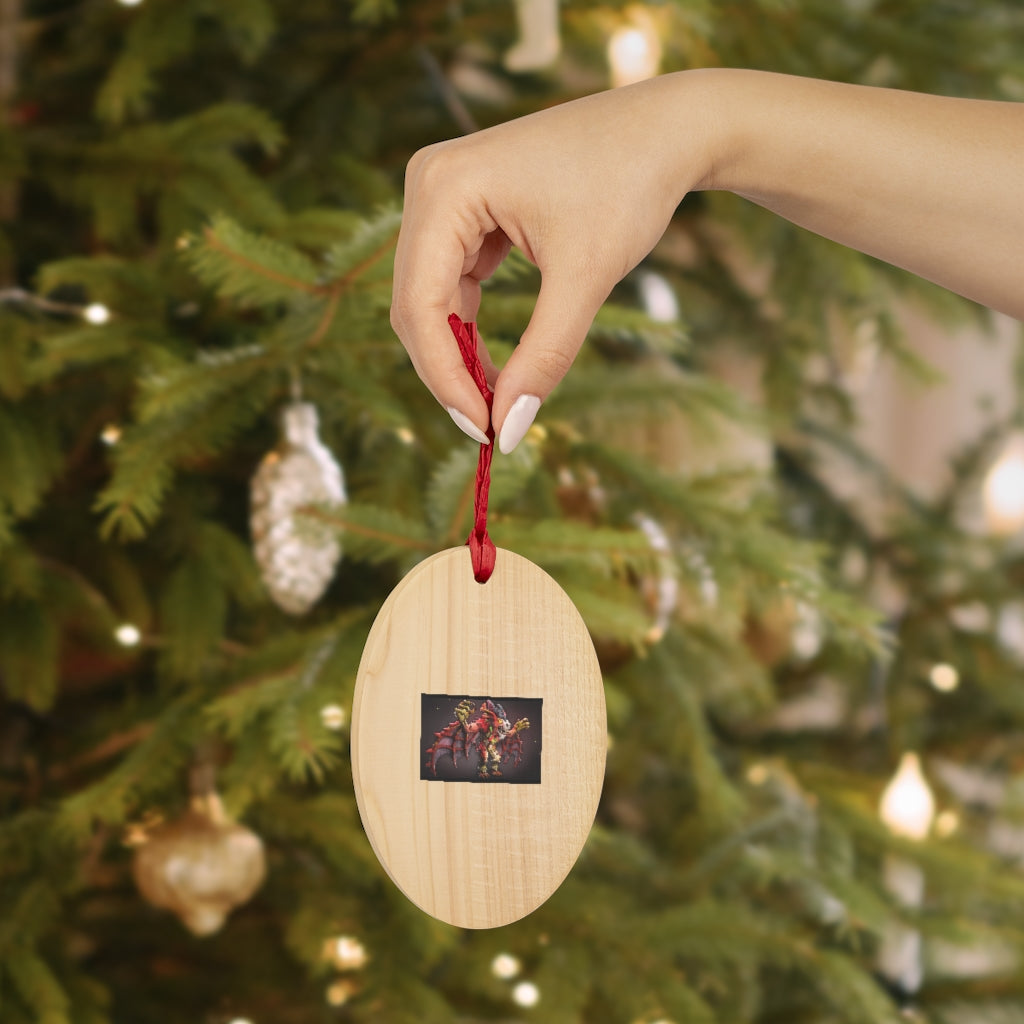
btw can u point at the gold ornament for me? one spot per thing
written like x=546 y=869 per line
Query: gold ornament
x=296 y=556
x=200 y=866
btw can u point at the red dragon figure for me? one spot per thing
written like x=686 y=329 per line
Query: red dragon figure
x=485 y=729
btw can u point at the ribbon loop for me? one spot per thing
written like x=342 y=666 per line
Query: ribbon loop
x=481 y=546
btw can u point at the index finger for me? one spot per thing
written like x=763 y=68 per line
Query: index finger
x=434 y=245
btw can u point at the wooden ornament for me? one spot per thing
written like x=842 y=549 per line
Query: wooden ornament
x=478 y=738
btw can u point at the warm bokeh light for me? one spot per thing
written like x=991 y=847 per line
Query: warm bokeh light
x=96 y=313
x=347 y=953
x=505 y=966
x=333 y=716
x=634 y=54
x=907 y=805
x=337 y=994
x=944 y=677
x=127 y=635
x=1003 y=491
x=526 y=994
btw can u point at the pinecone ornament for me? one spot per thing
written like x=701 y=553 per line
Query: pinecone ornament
x=296 y=555
x=200 y=866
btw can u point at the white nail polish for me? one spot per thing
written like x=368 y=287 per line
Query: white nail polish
x=467 y=426
x=518 y=421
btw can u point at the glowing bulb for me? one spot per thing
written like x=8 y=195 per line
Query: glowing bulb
x=333 y=716
x=757 y=775
x=907 y=805
x=947 y=823
x=337 y=994
x=110 y=434
x=505 y=966
x=1003 y=491
x=526 y=994
x=348 y=953
x=129 y=3
x=634 y=55
x=405 y=435
x=127 y=635
x=96 y=313
x=944 y=677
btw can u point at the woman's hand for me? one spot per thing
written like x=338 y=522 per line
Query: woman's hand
x=584 y=189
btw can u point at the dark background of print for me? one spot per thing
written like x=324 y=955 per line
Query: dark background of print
x=438 y=709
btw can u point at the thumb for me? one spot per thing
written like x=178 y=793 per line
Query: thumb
x=561 y=318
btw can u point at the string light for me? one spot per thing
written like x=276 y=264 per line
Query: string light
x=337 y=993
x=907 y=805
x=347 y=953
x=110 y=434
x=907 y=808
x=1003 y=490
x=129 y=3
x=333 y=717
x=96 y=313
x=947 y=823
x=505 y=966
x=944 y=678
x=127 y=635
x=634 y=51
x=526 y=994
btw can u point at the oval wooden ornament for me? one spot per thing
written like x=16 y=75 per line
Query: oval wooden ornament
x=481 y=838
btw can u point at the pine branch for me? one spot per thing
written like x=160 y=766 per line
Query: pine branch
x=38 y=987
x=148 y=453
x=29 y=457
x=147 y=769
x=374 y=534
x=353 y=258
x=255 y=271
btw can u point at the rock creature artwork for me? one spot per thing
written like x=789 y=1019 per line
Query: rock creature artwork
x=480 y=741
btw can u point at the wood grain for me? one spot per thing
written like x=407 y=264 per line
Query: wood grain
x=477 y=855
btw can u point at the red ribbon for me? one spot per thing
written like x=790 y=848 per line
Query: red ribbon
x=481 y=546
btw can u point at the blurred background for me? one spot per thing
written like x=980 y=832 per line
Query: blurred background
x=784 y=485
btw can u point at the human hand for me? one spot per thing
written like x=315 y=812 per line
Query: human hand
x=584 y=189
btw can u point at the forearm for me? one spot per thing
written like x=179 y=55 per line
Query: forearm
x=932 y=184
x=586 y=189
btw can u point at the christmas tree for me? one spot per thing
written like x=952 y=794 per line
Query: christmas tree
x=216 y=462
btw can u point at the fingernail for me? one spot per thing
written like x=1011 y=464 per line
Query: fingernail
x=517 y=422
x=467 y=426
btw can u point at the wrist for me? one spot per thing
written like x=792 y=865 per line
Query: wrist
x=722 y=100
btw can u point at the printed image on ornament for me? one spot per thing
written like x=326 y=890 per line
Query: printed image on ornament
x=481 y=739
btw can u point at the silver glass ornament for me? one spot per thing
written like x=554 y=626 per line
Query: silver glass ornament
x=296 y=555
